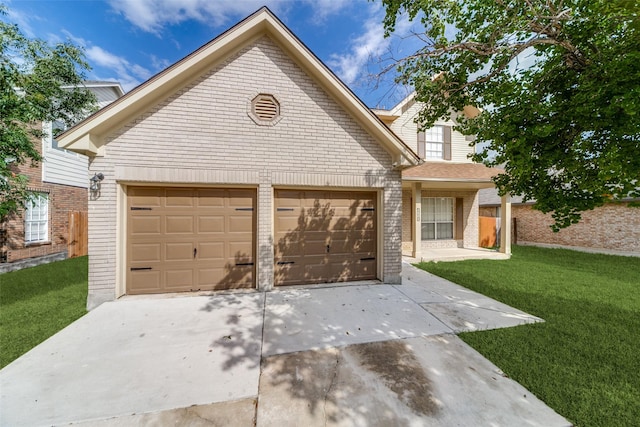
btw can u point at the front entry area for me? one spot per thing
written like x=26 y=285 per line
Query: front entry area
x=190 y=239
x=324 y=236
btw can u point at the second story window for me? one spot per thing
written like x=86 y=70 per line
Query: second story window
x=434 y=141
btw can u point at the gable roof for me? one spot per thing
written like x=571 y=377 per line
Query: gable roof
x=88 y=136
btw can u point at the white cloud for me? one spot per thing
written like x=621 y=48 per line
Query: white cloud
x=128 y=74
x=153 y=15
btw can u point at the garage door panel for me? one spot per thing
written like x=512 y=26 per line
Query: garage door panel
x=148 y=281
x=240 y=199
x=145 y=225
x=179 y=224
x=211 y=224
x=145 y=197
x=207 y=251
x=178 y=251
x=287 y=223
x=228 y=276
x=240 y=224
x=241 y=251
x=178 y=278
x=210 y=198
x=179 y=198
x=144 y=252
x=202 y=234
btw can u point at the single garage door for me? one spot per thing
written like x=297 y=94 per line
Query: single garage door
x=189 y=239
x=324 y=236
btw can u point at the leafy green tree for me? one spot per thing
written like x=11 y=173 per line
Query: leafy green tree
x=38 y=83
x=559 y=85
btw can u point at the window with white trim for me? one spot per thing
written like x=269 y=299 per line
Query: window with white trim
x=437 y=218
x=36 y=219
x=434 y=142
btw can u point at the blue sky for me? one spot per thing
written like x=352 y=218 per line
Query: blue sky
x=131 y=40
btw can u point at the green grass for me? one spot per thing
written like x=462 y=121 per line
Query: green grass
x=584 y=361
x=37 y=302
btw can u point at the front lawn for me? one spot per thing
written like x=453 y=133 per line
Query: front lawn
x=584 y=361
x=37 y=302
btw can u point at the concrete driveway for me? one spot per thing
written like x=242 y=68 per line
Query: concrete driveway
x=356 y=355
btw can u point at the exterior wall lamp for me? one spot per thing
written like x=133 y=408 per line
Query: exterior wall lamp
x=94 y=185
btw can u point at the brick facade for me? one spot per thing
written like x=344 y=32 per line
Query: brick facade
x=614 y=226
x=202 y=135
x=63 y=199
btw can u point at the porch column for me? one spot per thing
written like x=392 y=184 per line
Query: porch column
x=505 y=220
x=417 y=223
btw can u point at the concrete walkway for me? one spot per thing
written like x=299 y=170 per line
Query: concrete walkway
x=353 y=355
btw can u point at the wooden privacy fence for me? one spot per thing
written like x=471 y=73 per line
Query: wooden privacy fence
x=78 y=234
x=488 y=232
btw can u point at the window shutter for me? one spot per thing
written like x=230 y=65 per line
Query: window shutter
x=421 y=145
x=459 y=218
x=447 y=142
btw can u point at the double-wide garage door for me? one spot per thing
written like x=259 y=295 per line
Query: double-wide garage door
x=324 y=236
x=188 y=239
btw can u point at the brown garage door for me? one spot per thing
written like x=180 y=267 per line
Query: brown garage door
x=324 y=236
x=188 y=239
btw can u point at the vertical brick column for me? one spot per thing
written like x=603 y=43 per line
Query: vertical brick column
x=265 y=233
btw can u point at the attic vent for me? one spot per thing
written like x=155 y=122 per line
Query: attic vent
x=265 y=110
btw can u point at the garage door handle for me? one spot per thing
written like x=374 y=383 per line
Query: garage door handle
x=368 y=259
x=285 y=262
x=328 y=248
x=195 y=252
x=140 y=268
x=243 y=263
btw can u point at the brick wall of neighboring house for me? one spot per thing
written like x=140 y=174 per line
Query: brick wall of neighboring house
x=615 y=226
x=62 y=200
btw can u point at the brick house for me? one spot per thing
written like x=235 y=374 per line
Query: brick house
x=60 y=182
x=247 y=164
x=612 y=227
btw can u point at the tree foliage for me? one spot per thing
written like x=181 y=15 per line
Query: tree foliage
x=559 y=85
x=38 y=83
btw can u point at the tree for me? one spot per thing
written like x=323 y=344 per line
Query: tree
x=559 y=85
x=38 y=83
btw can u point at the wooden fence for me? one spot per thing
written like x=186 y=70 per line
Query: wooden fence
x=78 y=234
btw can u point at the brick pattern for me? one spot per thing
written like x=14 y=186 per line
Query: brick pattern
x=470 y=219
x=615 y=226
x=63 y=199
x=203 y=134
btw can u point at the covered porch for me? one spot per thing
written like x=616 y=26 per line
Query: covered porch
x=440 y=212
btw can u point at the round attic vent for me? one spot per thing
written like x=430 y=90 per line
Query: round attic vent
x=265 y=109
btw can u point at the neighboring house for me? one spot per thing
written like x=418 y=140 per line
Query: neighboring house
x=60 y=182
x=246 y=164
x=613 y=227
x=440 y=196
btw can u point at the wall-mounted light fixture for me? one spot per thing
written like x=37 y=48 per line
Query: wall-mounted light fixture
x=95 y=182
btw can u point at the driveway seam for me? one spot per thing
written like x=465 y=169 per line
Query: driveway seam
x=264 y=317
